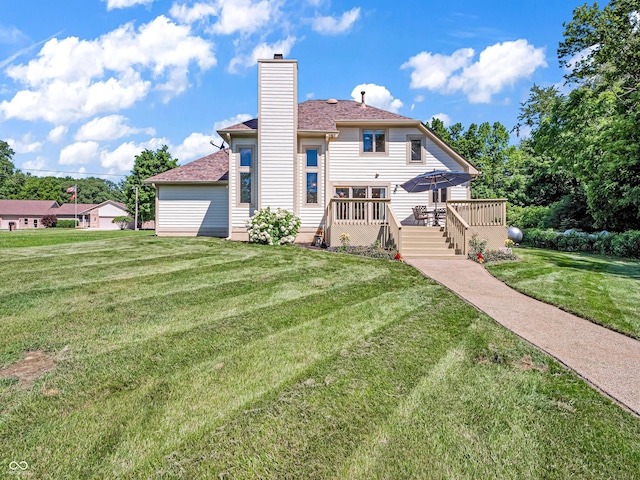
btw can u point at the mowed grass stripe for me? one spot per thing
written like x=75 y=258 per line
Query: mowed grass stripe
x=603 y=290
x=214 y=394
x=295 y=364
x=102 y=318
x=21 y=277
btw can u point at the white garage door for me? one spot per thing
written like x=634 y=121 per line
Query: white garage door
x=193 y=210
x=107 y=223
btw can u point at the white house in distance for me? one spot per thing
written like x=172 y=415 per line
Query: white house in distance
x=336 y=164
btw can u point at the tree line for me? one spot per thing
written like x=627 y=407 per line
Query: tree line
x=579 y=165
x=17 y=185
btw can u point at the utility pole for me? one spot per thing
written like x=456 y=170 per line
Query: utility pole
x=136 y=220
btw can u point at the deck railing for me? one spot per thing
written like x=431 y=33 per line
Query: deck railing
x=372 y=220
x=457 y=230
x=365 y=220
x=481 y=212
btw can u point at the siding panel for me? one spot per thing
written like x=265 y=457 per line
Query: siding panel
x=192 y=210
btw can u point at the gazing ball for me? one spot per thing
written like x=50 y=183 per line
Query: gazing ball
x=515 y=234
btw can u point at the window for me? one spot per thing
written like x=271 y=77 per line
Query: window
x=374 y=141
x=245 y=167
x=312 y=187
x=35 y=223
x=439 y=196
x=415 y=149
x=312 y=174
x=26 y=221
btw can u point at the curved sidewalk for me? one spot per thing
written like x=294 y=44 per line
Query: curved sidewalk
x=606 y=359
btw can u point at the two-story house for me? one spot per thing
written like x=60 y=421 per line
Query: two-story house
x=336 y=164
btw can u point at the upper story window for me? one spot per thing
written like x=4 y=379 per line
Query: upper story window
x=374 y=141
x=415 y=149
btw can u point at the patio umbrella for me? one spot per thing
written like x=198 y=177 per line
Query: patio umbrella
x=435 y=180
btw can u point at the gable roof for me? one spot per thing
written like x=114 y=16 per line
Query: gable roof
x=322 y=115
x=70 y=208
x=212 y=168
x=89 y=207
x=26 y=207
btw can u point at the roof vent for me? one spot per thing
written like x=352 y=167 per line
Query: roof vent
x=332 y=101
x=278 y=56
x=362 y=104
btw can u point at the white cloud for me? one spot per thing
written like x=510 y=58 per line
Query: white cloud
x=231 y=16
x=57 y=134
x=377 y=96
x=243 y=15
x=10 y=35
x=194 y=146
x=262 y=51
x=71 y=79
x=227 y=122
x=122 y=158
x=40 y=163
x=111 y=4
x=332 y=26
x=497 y=67
x=109 y=128
x=198 y=11
x=25 y=145
x=443 y=117
x=79 y=153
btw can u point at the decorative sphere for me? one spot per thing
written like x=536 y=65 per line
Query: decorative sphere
x=515 y=234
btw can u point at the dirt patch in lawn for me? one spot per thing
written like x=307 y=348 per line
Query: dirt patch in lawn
x=35 y=364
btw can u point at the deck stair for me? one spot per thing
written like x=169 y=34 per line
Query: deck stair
x=420 y=241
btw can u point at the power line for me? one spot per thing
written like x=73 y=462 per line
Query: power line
x=77 y=173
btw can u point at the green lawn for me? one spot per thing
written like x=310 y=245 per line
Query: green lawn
x=57 y=236
x=200 y=358
x=603 y=290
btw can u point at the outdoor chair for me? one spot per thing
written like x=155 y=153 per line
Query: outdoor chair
x=420 y=214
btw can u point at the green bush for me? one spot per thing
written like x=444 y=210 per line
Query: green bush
x=625 y=244
x=66 y=224
x=526 y=217
x=122 y=221
x=273 y=228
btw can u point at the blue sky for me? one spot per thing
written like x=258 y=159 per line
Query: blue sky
x=85 y=85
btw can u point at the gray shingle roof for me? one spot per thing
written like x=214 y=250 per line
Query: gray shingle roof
x=212 y=168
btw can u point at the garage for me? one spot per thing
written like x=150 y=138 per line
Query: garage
x=193 y=199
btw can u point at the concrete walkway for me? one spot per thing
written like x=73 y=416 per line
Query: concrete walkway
x=607 y=360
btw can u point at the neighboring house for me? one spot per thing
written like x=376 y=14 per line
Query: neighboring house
x=19 y=214
x=337 y=164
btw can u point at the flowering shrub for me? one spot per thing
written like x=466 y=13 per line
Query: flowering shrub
x=345 y=239
x=477 y=248
x=273 y=228
x=508 y=243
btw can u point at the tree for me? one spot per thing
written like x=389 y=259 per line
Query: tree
x=7 y=168
x=122 y=221
x=591 y=136
x=147 y=164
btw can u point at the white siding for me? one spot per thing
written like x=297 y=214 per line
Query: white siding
x=109 y=210
x=192 y=210
x=348 y=167
x=310 y=215
x=277 y=111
